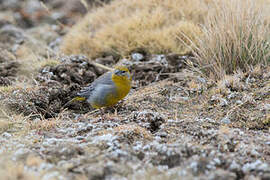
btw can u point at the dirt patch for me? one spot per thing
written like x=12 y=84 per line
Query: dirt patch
x=57 y=85
x=241 y=100
x=146 y=69
x=8 y=67
x=71 y=70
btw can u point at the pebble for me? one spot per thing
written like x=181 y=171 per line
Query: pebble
x=137 y=56
x=225 y=120
x=258 y=165
x=6 y=135
x=21 y=154
x=162 y=134
x=254 y=153
x=234 y=166
x=52 y=175
x=223 y=102
x=202 y=80
x=238 y=102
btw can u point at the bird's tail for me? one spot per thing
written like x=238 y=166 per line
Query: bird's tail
x=78 y=98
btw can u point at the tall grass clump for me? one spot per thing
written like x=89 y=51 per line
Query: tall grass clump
x=236 y=35
x=122 y=26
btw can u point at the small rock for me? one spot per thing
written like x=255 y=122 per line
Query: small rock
x=231 y=95
x=79 y=137
x=266 y=176
x=95 y=172
x=46 y=166
x=217 y=161
x=64 y=164
x=149 y=119
x=267 y=143
x=234 y=166
x=21 y=153
x=225 y=120
x=238 y=102
x=194 y=166
x=137 y=56
x=161 y=58
x=254 y=153
x=52 y=175
x=210 y=120
x=222 y=175
x=266 y=107
x=202 y=80
x=6 y=135
x=256 y=166
x=223 y=102
x=162 y=134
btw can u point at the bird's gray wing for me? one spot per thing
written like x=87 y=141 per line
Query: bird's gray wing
x=86 y=91
x=104 y=79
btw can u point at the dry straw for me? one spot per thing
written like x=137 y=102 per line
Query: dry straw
x=235 y=36
x=122 y=26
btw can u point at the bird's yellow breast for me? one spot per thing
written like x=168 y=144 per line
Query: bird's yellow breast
x=123 y=88
x=122 y=85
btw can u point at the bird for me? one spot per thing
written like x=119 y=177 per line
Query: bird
x=108 y=89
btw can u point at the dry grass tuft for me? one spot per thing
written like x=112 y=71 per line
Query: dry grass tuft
x=30 y=61
x=47 y=124
x=7 y=89
x=48 y=62
x=33 y=160
x=122 y=26
x=44 y=124
x=14 y=171
x=236 y=36
x=231 y=82
x=4 y=124
x=133 y=131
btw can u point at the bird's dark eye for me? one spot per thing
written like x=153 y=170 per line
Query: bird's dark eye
x=120 y=72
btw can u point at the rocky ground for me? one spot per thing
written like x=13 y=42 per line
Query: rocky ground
x=174 y=124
